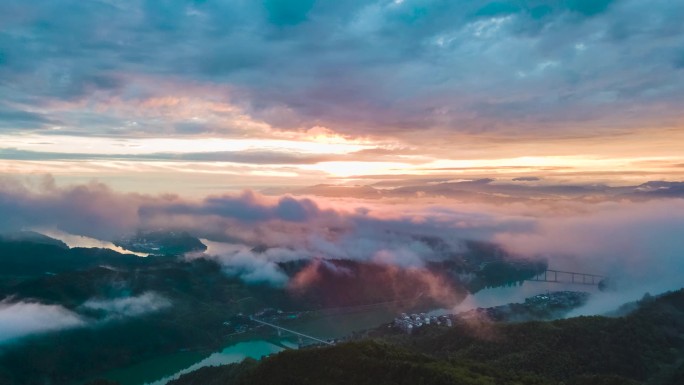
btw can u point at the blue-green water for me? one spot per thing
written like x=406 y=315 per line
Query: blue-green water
x=235 y=353
x=166 y=368
x=160 y=370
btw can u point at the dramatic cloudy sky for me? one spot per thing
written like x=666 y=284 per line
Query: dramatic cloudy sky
x=224 y=94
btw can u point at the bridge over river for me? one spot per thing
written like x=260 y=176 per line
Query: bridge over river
x=558 y=276
x=549 y=275
x=281 y=329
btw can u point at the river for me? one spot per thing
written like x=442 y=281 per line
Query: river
x=162 y=369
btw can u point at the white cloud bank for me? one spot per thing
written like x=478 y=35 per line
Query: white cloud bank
x=25 y=318
x=128 y=306
x=21 y=319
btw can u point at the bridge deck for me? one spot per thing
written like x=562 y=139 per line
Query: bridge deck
x=567 y=277
x=290 y=331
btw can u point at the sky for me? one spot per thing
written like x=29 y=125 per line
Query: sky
x=201 y=97
x=351 y=129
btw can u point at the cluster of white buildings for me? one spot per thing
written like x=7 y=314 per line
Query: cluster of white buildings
x=409 y=323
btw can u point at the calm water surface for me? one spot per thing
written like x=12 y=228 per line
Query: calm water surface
x=166 y=368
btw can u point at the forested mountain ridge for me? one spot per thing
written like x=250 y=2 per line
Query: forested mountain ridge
x=122 y=309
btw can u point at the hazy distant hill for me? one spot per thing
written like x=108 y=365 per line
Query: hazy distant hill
x=327 y=283
x=32 y=237
x=199 y=297
x=161 y=243
x=30 y=254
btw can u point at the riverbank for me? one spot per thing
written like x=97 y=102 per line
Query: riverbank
x=255 y=344
x=262 y=341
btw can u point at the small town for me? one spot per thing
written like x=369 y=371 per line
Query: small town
x=409 y=323
x=539 y=307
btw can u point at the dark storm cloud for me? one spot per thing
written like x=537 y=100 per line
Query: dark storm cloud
x=383 y=66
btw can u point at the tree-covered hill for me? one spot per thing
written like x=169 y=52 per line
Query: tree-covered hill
x=198 y=295
x=29 y=254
